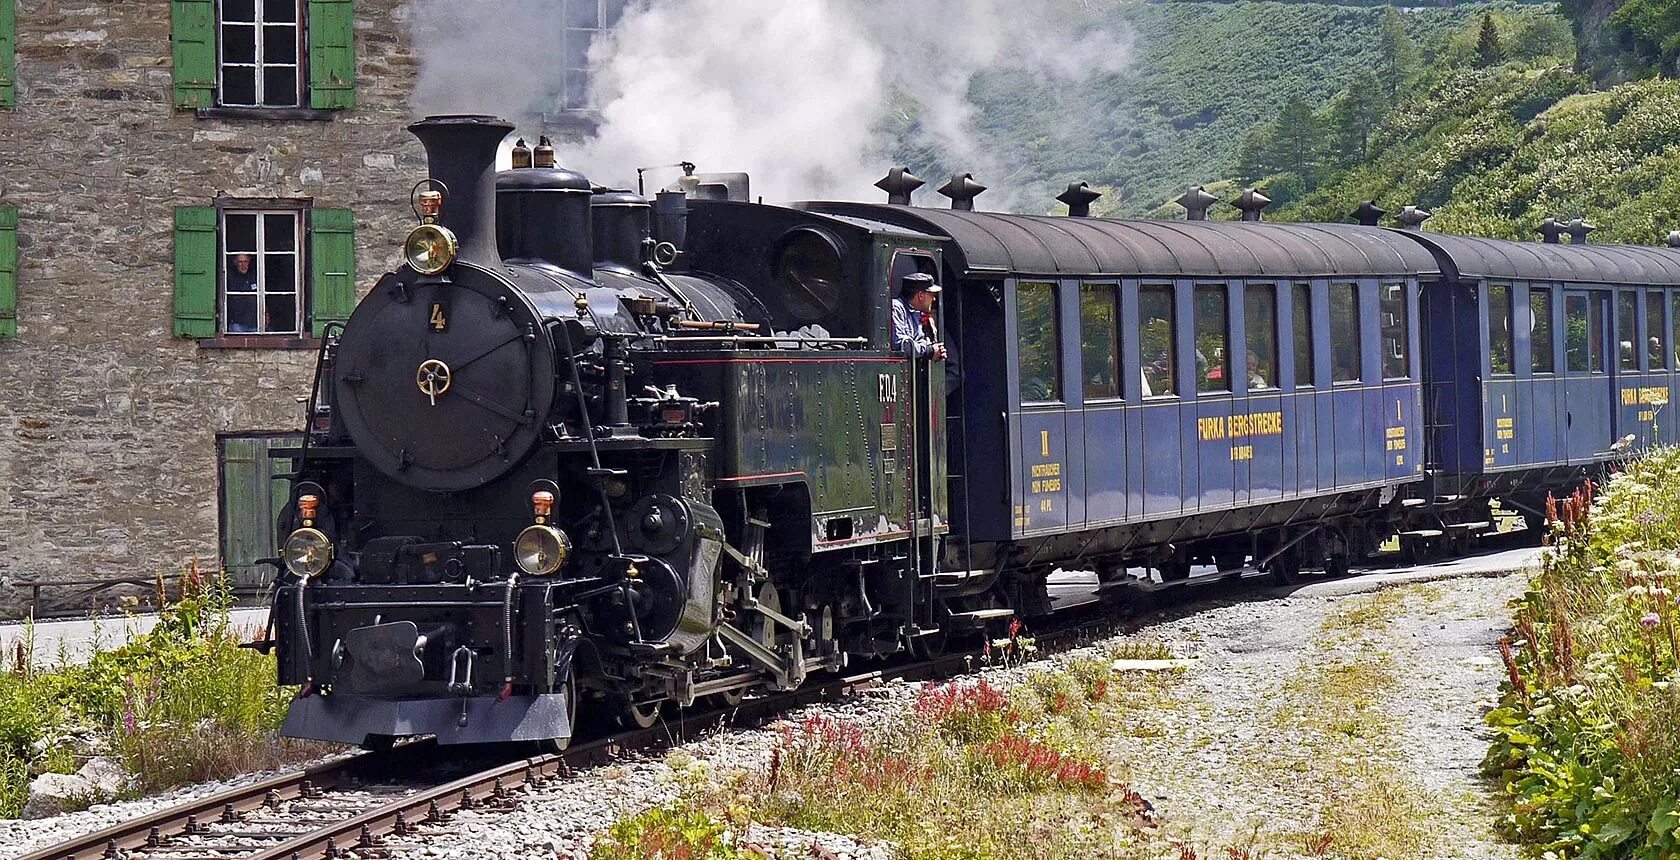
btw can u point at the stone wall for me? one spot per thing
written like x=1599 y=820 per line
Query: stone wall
x=108 y=459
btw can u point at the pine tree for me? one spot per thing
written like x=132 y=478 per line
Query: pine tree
x=1297 y=141
x=1397 y=52
x=1489 y=51
x=1353 y=118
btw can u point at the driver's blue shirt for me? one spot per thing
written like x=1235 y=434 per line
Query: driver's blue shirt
x=908 y=335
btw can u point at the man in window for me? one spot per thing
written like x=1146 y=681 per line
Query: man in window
x=914 y=331
x=242 y=282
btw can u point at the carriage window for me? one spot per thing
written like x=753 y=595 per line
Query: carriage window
x=1541 y=359
x=1499 y=328
x=1260 y=319
x=1655 y=347
x=1583 y=320
x=1346 y=364
x=1157 y=341
x=1213 y=340
x=1099 y=340
x=1627 y=331
x=1305 y=374
x=1037 y=336
x=1396 y=362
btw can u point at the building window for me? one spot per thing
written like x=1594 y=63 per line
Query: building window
x=1260 y=320
x=1213 y=339
x=585 y=19
x=1099 y=340
x=1039 y=337
x=1306 y=376
x=260 y=272
x=259 y=44
x=1158 y=341
x=1541 y=358
x=1346 y=362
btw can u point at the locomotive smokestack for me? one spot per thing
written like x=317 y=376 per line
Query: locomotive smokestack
x=461 y=154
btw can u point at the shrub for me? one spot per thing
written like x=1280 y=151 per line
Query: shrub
x=1587 y=734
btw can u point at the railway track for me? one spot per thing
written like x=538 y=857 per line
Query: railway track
x=347 y=808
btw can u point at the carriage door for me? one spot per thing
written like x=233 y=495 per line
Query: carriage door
x=928 y=493
x=1589 y=383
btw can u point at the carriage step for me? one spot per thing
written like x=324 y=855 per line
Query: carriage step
x=1423 y=533
x=1444 y=500
x=1470 y=527
x=956 y=577
x=1413 y=503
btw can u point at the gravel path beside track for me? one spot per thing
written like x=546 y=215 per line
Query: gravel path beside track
x=1208 y=756
x=1257 y=743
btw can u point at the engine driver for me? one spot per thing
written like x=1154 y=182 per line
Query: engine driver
x=912 y=311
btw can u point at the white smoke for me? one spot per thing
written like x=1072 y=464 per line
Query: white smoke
x=808 y=96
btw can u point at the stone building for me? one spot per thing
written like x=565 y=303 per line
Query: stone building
x=189 y=190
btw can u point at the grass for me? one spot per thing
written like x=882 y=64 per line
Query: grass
x=966 y=770
x=182 y=704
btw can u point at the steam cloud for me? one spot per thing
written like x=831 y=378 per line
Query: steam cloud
x=809 y=96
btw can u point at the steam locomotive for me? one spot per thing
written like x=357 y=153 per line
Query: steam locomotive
x=589 y=455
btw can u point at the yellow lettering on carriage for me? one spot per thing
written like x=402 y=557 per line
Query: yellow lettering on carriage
x=1655 y=396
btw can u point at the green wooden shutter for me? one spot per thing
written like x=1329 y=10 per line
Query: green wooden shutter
x=8 y=46
x=194 y=25
x=332 y=54
x=8 y=269
x=195 y=271
x=332 y=294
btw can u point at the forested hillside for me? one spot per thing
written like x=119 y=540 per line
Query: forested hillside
x=1203 y=75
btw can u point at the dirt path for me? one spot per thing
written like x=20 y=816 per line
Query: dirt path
x=1329 y=725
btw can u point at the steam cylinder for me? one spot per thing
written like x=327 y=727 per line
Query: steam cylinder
x=543 y=215
x=622 y=224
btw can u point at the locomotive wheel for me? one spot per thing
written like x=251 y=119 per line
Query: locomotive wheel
x=640 y=715
x=933 y=643
x=727 y=698
x=764 y=630
x=554 y=746
x=1286 y=567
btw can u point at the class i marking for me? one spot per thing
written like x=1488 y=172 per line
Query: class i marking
x=1044 y=443
x=438 y=321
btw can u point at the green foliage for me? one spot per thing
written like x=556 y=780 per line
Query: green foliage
x=1624 y=40
x=1588 y=727
x=1492 y=152
x=1490 y=51
x=1201 y=76
x=667 y=832
x=182 y=703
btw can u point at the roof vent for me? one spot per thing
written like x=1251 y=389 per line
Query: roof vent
x=1674 y=239
x=899 y=183
x=1252 y=203
x=1079 y=198
x=1369 y=213
x=1412 y=217
x=1550 y=231
x=962 y=189
x=1578 y=230
x=1196 y=203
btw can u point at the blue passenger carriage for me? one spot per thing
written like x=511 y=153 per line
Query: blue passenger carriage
x=1169 y=393
x=1542 y=363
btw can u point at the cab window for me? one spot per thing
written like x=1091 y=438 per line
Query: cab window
x=1260 y=322
x=1038 y=340
x=1346 y=363
x=1099 y=340
x=1213 y=353
x=1499 y=328
x=1158 y=341
x=1396 y=334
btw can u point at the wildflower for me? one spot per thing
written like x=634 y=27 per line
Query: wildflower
x=1649 y=621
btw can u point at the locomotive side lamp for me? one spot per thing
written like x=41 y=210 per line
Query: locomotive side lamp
x=431 y=247
x=541 y=550
x=542 y=504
